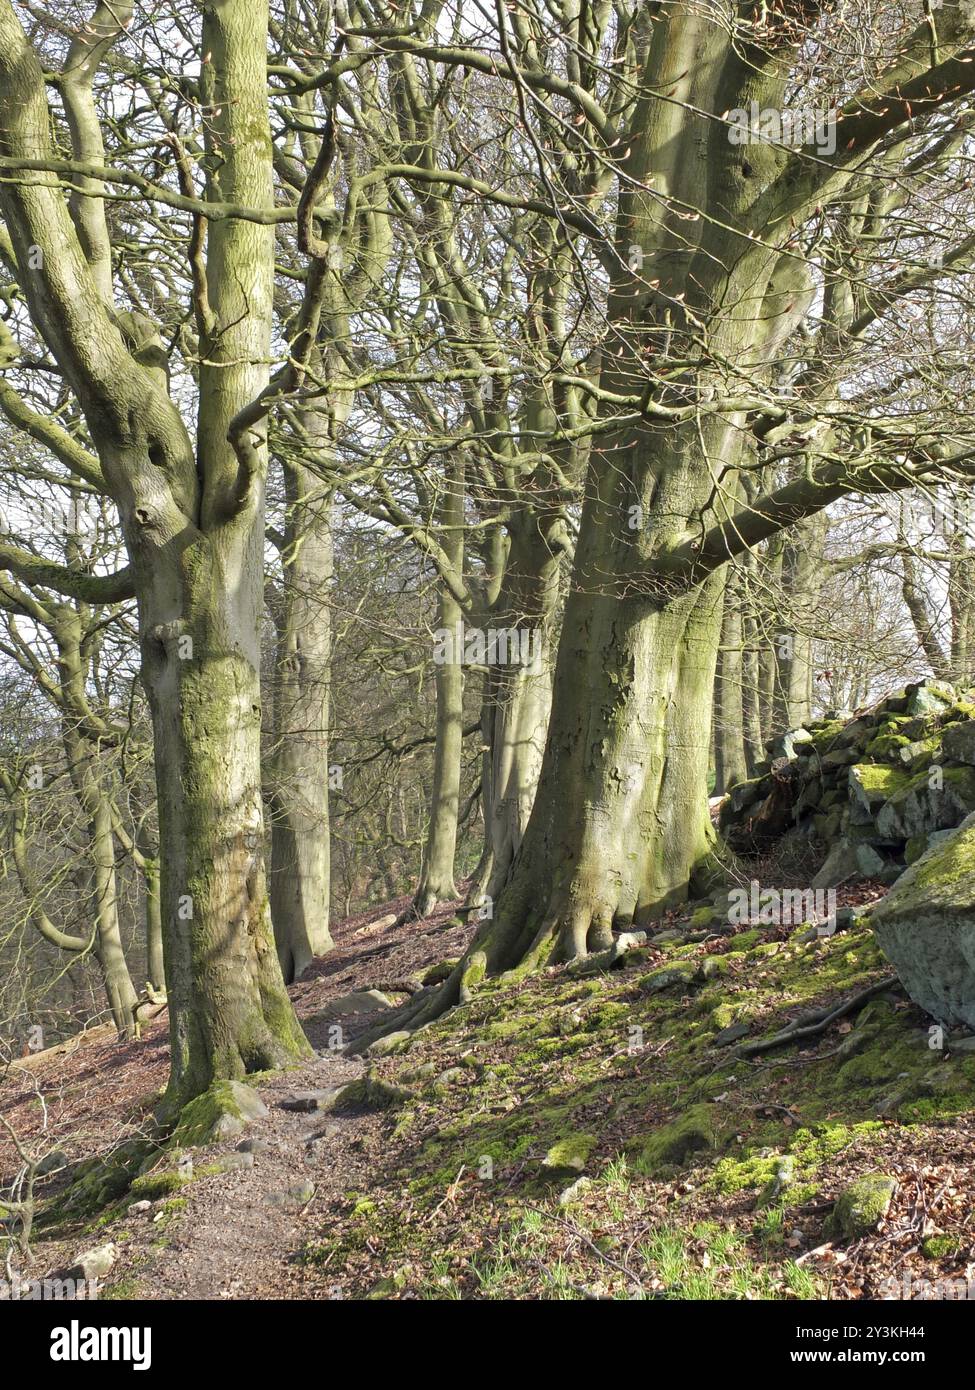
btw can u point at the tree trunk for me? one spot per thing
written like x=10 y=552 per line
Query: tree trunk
x=437 y=872
x=518 y=698
x=729 y=742
x=300 y=851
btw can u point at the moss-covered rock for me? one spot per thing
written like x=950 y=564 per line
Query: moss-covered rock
x=694 y=1131
x=668 y=977
x=926 y=928
x=220 y=1113
x=861 y=1206
x=569 y=1155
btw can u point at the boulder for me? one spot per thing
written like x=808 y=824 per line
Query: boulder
x=848 y=862
x=861 y=1206
x=926 y=928
x=929 y=697
x=364 y=1001
x=925 y=804
x=787 y=745
x=959 y=741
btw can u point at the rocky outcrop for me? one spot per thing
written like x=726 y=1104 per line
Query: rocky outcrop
x=877 y=788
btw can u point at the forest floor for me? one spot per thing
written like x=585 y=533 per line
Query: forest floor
x=568 y=1135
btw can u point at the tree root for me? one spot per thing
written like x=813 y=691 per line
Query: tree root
x=814 y=1024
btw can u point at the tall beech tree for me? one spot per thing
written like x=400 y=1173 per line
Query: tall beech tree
x=189 y=487
x=713 y=267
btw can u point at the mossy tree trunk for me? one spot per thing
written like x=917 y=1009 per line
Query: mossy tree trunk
x=193 y=520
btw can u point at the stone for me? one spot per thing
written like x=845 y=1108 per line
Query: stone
x=52 y=1162
x=138 y=1208
x=231 y=1163
x=574 y=1191
x=847 y=862
x=840 y=757
x=959 y=741
x=569 y=1154
x=667 y=976
x=786 y=745
x=306 y=1102
x=453 y=1075
x=94 y=1264
x=392 y=1042
x=218 y=1114
x=438 y=973
x=363 y=1001
x=615 y=956
x=922 y=806
x=929 y=697
x=926 y=928
x=297 y=1195
x=253 y=1146
x=862 y=1206
x=731 y=1034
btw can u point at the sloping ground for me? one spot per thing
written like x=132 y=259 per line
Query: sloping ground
x=572 y=1135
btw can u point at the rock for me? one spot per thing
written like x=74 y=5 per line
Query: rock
x=392 y=1042
x=52 y=1163
x=453 y=1075
x=574 y=1192
x=693 y=1131
x=921 y=805
x=784 y=1177
x=306 y=1102
x=840 y=757
x=861 y=1206
x=856 y=732
x=667 y=976
x=929 y=697
x=220 y=1113
x=370 y=1092
x=364 y=1001
x=785 y=745
x=297 y=1195
x=569 y=1154
x=138 y=1208
x=926 y=928
x=231 y=1163
x=920 y=844
x=438 y=973
x=253 y=1146
x=94 y=1264
x=731 y=1034
x=847 y=862
x=615 y=956
x=959 y=741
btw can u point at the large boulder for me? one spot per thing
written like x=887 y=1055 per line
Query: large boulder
x=926 y=803
x=926 y=928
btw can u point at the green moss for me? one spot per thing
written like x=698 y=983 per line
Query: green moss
x=571 y=1153
x=942 y=1247
x=694 y=1131
x=887 y=746
x=219 y=1113
x=861 y=1206
x=151 y=1186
